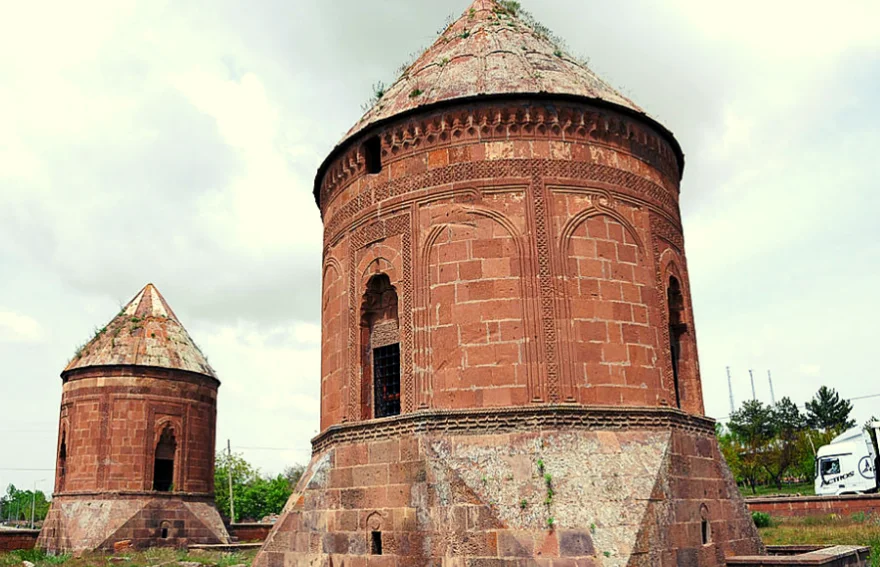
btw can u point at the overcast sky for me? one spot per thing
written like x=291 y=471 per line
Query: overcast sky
x=176 y=143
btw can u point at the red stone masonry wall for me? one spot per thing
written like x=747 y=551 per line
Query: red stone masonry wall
x=250 y=532
x=111 y=421
x=630 y=487
x=530 y=244
x=11 y=540
x=811 y=506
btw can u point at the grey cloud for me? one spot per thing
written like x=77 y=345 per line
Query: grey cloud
x=792 y=284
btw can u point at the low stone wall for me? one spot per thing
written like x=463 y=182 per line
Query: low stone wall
x=10 y=540
x=806 y=506
x=250 y=532
x=806 y=556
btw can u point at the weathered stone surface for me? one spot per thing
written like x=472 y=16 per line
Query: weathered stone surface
x=505 y=228
x=136 y=438
x=490 y=498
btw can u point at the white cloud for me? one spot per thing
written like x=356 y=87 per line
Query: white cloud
x=17 y=328
x=810 y=369
x=178 y=142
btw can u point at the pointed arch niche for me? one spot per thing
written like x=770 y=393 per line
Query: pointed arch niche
x=334 y=348
x=380 y=348
x=62 y=461
x=476 y=315
x=164 y=461
x=606 y=329
x=680 y=347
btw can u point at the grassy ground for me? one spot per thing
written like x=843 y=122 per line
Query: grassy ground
x=856 y=530
x=153 y=557
x=806 y=489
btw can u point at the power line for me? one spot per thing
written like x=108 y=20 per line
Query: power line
x=265 y=448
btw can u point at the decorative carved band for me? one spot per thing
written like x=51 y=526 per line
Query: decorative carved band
x=511 y=121
x=483 y=422
x=524 y=169
x=662 y=228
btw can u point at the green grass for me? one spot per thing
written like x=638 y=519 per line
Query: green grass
x=859 y=529
x=131 y=558
x=806 y=489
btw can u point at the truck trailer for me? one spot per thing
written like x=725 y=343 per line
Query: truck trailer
x=848 y=464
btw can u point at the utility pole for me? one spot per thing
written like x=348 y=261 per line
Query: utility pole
x=229 y=471
x=34 y=501
x=772 y=393
x=752 y=376
x=730 y=388
x=33 y=504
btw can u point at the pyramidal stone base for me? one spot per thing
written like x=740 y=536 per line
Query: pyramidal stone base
x=555 y=486
x=78 y=524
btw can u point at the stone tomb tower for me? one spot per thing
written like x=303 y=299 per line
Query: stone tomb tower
x=136 y=437
x=509 y=364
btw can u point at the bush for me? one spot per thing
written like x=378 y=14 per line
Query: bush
x=761 y=519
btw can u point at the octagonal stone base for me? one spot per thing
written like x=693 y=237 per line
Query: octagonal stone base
x=81 y=523
x=555 y=486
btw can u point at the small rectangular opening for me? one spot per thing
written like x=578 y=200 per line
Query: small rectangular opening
x=376 y=543
x=373 y=155
x=706 y=533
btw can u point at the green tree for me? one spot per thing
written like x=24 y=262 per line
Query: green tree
x=783 y=451
x=15 y=505
x=827 y=412
x=263 y=497
x=752 y=428
x=256 y=496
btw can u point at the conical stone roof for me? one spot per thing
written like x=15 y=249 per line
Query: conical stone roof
x=489 y=51
x=145 y=333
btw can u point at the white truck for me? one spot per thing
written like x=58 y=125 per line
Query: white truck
x=847 y=464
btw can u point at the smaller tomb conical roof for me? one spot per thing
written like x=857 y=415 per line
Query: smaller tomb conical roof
x=146 y=332
x=490 y=50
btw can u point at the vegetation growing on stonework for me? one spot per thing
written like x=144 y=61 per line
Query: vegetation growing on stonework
x=504 y=12
x=157 y=556
x=772 y=446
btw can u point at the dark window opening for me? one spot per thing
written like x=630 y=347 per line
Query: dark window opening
x=373 y=155
x=62 y=463
x=376 y=543
x=706 y=532
x=163 y=471
x=386 y=369
x=380 y=350
x=677 y=328
x=164 y=533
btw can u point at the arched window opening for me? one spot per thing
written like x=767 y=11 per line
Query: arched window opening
x=164 y=530
x=380 y=349
x=705 y=526
x=62 y=462
x=677 y=329
x=163 y=471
